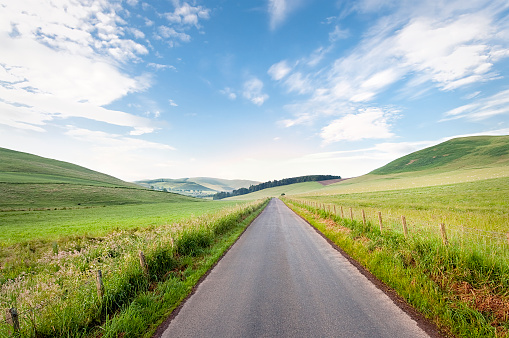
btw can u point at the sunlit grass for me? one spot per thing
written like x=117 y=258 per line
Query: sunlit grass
x=53 y=284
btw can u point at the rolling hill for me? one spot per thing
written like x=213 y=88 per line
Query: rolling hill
x=459 y=153
x=196 y=186
x=32 y=182
x=460 y=160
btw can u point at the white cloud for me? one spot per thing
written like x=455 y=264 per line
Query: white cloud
x=120 y=143
x=229 y=93
x=482 y=109
x=65 y=61
x=280 y=9
x=172 y=103
x=158 y=66
x=371 y=123
x=446 y=45
x=338 y=34
x=187 y=15
x=253 y=91
x=279 y=70
x=171 y=34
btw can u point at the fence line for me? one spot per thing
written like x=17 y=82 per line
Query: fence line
x=389 y=223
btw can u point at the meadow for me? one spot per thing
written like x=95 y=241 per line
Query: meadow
x=52 y=225
x=52 y=283
x=461 y=283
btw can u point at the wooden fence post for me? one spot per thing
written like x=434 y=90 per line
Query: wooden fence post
x=351 y=214
x=12 y=318
x=444 y=234
x=342 y=215
x=335 y=213
x=363 y=217
x=405 y=230
x=99 y=284
x=143 y=263
x=380 y=220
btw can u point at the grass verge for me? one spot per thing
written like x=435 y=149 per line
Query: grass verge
x=61 y=298
x=464 y=291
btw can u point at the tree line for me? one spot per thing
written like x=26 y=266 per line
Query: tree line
x=275 y=183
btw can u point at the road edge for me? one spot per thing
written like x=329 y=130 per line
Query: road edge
x=166 y=323
x=422 y=322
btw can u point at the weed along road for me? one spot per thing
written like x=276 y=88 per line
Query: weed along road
x=282 y=279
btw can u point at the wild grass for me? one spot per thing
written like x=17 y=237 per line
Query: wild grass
x=41 y=227
x=463 y=286
x=55 y=291
x=481 y=205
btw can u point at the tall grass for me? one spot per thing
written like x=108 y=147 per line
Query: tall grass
x=55 y=293
x=463 y=286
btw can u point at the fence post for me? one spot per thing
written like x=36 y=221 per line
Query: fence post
x=99 y=284
x=143 y=263
x=342 y=215
x=380 y=220
x=405 y=230
x=363 y=217
x=336 y=214
x=444 y=234
x=11 y=317
x=351 y=214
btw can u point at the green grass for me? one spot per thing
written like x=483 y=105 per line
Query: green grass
x=463 y=288
x=480 y=204
x=50 y=196
x=478 y=151
x=49 y=225
x=14 y=162
x=32 y=182
x=291 y=189
x=53 y=287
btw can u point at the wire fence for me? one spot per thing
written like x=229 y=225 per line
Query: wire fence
x=95 y=289
x=491 y=242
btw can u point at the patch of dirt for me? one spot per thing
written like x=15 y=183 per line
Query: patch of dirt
x=412 y=161
x=483 y=300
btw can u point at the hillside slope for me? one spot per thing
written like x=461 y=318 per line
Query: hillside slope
x=460 y=160
x=196 y=186
x=32 y=182
x=465 y=152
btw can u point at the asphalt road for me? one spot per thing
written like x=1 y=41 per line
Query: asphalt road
x=282 y=279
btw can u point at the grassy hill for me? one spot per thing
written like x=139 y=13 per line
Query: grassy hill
x=456 y=161
x=459 y=153
x=196 y=186
x=32 y=182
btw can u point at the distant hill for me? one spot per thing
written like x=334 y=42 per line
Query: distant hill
x=460 y=160
x=196 y=186
x=465 y=152
x=275 y=183
x=30 y=181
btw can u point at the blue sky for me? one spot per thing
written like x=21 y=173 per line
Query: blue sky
x=256 y=90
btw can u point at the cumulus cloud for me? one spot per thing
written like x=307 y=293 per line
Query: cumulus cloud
x=253 y=91
x=187 y=15
x=65 y=61
x=418 y=47
x=371 y=123
x=229 y=93
x=279 y=70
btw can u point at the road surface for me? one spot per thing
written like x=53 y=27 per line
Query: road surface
x=282 y=279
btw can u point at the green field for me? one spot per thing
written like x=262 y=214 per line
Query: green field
x=31 y=182
x=48 y=225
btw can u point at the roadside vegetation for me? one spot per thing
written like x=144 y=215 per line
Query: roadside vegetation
x=53 y=284
x=461 y=284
